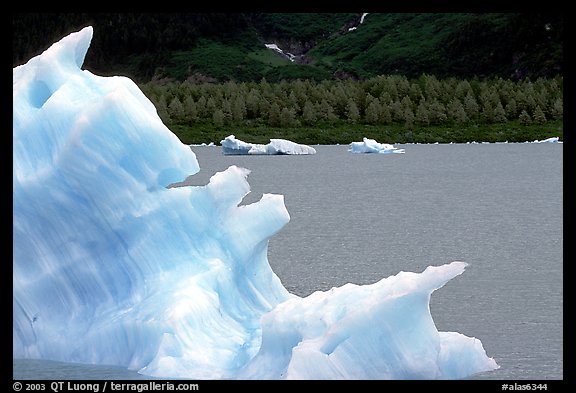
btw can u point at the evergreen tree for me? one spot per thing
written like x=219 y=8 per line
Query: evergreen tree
x=457 y=112
x=190 y=110
x=488 y=112
x=375 y=85
x=274 y=115
x=553 y=87
x=415 y=92
x=524 y=118
x=402 y=85
x=373 y=112
x=462 y=89
x=253 y=104
x=230 y=89
x=309 y=114
x=264 y=87
x=557 y=109
x=511 y=109
x=396 y=111
x=176 y=109
x=408 y=118
x=406 y=103
x=352 y=112
x=162 y=109
x=521 y=101
x=238 y=109
x=218 y=118
x=385 y=115
x=201 y=107
x=293 y=102
x=299 y=87
x=210 y=106
x=342 y=102
x=529 y=93
x=431 y=87
x=385 y=98
x=499 y=113
x=471 y=106
x=287 y=117
x=524 y=100
x=227 y=111
x=368 y=100
x=264 y=106
x=437 y=112
x=391 y=88
x=541 y=99
x=422 y=114
x=326 y=112
x=539 y=117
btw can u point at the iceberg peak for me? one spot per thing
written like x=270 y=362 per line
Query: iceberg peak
x=58 y=61
x=78 y=43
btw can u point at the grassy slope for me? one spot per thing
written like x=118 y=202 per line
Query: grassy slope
x=391 y=43
x=246 y=59
x=304 y=27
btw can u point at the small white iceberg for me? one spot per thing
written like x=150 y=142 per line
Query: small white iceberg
x=233 y=146
x=371 y=146
x=548 y=140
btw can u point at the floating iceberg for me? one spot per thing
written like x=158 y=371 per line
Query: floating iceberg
x=233 y=146
x=112 y=267
x=371 y=146
x=553 y=139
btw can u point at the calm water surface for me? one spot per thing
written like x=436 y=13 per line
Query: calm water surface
x=362 y=217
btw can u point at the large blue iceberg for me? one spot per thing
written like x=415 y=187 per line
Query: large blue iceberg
x=112 y=267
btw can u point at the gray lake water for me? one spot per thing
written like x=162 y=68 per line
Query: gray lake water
x=361 y=217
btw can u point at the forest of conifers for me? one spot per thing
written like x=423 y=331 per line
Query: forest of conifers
x=400 y=77
x=393 y=108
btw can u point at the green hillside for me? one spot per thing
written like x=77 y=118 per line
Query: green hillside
x=447 y=44
x=230 y=46
x=410 y=44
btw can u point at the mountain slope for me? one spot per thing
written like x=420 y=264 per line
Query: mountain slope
x=466 y=45
x=231 y=46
